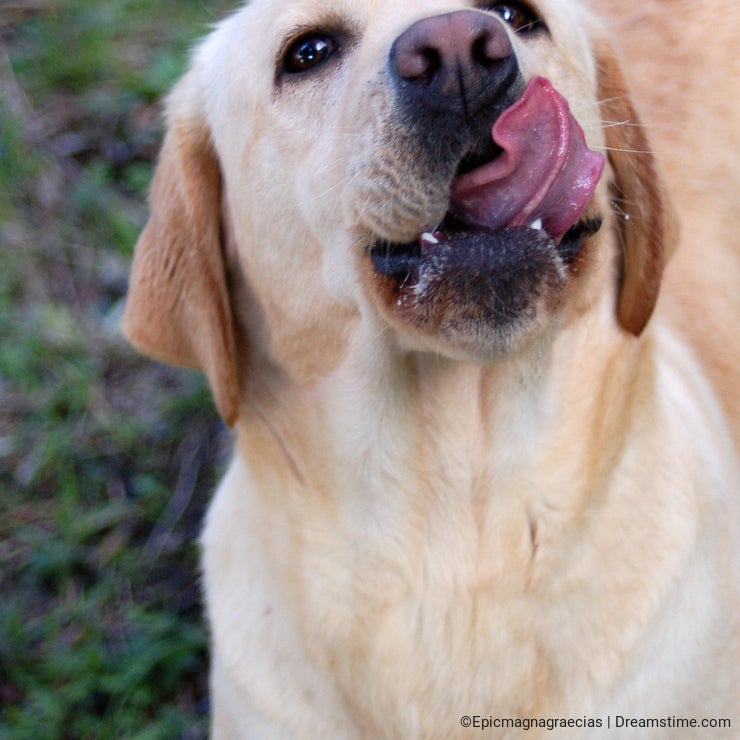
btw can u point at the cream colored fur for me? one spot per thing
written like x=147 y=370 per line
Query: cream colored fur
x=406 y=535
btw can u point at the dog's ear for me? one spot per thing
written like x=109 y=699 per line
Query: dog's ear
x=178 y=307
x=648 y=228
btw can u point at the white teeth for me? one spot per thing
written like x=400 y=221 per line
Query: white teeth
x=536 y=225
x=428 y=238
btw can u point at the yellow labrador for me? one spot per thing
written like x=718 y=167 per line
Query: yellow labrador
x=480 y=484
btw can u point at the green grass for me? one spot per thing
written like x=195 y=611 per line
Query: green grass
x=106 y=459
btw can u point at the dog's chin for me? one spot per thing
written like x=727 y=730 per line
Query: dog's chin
x=475 y=294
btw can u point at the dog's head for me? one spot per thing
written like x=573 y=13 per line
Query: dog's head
x=434 y=170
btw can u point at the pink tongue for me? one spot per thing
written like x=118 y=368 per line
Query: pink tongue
x=545 y=171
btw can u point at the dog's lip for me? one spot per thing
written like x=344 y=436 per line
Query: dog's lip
x=400 y=260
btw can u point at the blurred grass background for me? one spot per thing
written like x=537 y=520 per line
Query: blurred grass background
x=106 y=460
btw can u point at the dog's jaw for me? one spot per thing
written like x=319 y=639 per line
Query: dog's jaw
x=479 y=295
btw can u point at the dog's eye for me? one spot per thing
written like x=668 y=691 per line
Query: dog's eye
x=308 y=52
x=519 y=17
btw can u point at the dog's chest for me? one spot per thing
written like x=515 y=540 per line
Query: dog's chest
x=420 y=620
x=389 y=616
x=404 y=609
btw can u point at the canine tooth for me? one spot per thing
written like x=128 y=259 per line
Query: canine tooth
x=537 y=225
x=429 y=238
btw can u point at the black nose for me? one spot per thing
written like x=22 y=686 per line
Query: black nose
x=460 y=62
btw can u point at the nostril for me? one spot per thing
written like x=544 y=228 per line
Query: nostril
x=489 y=49
x=419 y=64
x=432 y=63
x=433 y=59
x=479 y=51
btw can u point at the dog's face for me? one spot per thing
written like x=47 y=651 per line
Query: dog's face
x=433 y=169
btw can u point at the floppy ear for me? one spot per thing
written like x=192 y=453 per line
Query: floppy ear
x=178 y=307
x=648 y=229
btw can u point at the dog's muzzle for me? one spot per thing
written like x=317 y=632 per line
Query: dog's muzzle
x=512 y=162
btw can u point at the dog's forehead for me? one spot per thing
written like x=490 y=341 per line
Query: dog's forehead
x=266 y=19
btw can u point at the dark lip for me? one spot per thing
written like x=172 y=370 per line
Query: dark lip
x=398 y=261
x=481 y=155
x=572 y=242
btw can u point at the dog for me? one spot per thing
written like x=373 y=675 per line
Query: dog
x=486 y=421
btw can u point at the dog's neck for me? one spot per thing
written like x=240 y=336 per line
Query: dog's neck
x=416 y=426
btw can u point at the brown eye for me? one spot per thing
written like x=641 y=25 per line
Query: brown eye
x=519 y=17
x=308 y=52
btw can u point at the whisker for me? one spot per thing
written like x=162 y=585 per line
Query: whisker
x=624 y=151
x=598 y=103
x=641 y=124
x=615 y=124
